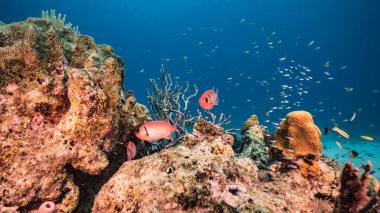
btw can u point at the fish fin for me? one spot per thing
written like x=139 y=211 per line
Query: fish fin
x=217 y=97
x=170 y=137
x=209 y=98
x=146 y=130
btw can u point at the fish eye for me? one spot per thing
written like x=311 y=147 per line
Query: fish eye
x=206 y=99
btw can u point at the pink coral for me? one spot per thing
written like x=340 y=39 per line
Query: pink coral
x=12 y=88
x=47 y=207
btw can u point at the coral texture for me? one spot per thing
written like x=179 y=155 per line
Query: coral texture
x=299 y=136
x=253 y=145
x=202 y=175
x=61 y=103
x=357 y=190
x=299 y=139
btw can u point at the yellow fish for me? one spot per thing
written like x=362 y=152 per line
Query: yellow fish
x=340 y=145
x=366 y=137
x=341 y=132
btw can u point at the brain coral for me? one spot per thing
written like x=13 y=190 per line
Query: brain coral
x=298 y=136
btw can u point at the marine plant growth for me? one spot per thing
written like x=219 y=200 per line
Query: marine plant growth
x=58 y=21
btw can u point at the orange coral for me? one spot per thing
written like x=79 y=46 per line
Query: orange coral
x=298 y=136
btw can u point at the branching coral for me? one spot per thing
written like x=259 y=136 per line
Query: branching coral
x=170 y=100
x=58 y=21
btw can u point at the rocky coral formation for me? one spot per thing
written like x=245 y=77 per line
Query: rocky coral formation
x=202 y=175
x=61 y=103
x=358 y=193
x=253 y=145
x=299 y=139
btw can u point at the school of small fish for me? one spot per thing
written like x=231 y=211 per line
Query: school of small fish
x=287 y=86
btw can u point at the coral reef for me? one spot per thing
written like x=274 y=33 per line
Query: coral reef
x=358 y=193
x=202 y=175
x=62 y=105
x=253 y=145
x=169 y=100
x=299 y=139
x=58 y=21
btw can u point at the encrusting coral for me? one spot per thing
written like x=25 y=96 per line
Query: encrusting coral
x=62 y=103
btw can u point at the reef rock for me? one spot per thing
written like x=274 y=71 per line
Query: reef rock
x=202 y=175
x=252 y=144
x=61 y=103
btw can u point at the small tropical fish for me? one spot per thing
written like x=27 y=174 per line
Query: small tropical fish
x=348 y=89
x=353 y=117
x=287 y=158
x=326 y=130
x=155 y=130
x=131 y=151
x=341 y=132
x=208 y=99
x=340 y=145
x=343 y=67
x=327 y=64
x=354 y=154
x=366 y=137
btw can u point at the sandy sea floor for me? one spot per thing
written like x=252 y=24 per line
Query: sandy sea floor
x=368 y=150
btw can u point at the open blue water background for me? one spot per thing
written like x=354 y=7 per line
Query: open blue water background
x=209 y=42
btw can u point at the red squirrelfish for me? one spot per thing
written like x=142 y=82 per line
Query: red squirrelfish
x=131 y=151
x=155 y=130
x=208 y=99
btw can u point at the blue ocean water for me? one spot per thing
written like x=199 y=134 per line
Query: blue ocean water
x=320 y=56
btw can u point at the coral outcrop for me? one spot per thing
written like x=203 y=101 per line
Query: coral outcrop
x=61 y=103
x=252 y=143
x=299 y=139
x=202 y=175
x=358 y=193
x=299 y=136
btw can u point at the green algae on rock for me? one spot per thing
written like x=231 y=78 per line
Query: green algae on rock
x=253 y=145
x=62 y=103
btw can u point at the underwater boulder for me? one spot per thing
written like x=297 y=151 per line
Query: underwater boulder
x=62 y=104
x=203 y=175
